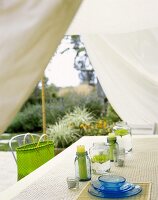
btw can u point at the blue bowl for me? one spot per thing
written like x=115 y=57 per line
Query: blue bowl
x=112 y=181
x=102 y=188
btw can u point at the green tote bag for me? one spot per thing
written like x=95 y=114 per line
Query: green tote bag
x=33 y=155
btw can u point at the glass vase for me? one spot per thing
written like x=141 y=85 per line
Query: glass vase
x=100 y=162
x=124 y=136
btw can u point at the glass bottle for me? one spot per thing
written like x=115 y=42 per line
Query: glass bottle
x=124 y=136
x=100 y=162
x=82 y=164
x=113 y=147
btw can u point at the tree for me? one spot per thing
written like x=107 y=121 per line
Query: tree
x=82 y=61
x=50 y=93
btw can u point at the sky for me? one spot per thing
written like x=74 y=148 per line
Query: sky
x=61 y=72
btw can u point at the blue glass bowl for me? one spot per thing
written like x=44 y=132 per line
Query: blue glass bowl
x=137 y=189
x=102 y=188
x=111 y=181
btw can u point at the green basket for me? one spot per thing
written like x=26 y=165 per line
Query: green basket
x=31 y=156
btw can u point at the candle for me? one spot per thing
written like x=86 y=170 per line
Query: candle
x=111 y=136
x=81 y=149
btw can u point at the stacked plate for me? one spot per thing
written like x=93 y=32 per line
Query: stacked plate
x=113 y=186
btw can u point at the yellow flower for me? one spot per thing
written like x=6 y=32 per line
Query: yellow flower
x=104 y=124
x=81 y=125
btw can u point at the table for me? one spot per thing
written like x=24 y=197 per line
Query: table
x=49 y=181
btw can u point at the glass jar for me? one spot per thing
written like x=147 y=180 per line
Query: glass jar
x=82 y=166
x=100 y=162
x=124 y=136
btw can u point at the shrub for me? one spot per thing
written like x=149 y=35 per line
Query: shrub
x=54 y=112
x=94 y=105
x=67 y=131
x=98 y=127
x=62 y=134
x=91 y=102
x=78 y=116
x=75 y=124
x=29 y=120
x=111 y=115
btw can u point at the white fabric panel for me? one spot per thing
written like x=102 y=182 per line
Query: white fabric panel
x=126 y=65
x=122 y=41
x=115 y=16
x=29 y=34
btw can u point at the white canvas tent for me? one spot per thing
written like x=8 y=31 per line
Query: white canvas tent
x=121 y=38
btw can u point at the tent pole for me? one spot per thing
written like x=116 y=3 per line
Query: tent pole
x=43 y=107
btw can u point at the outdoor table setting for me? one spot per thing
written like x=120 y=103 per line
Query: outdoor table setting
x=60 y=177
x=103 y=157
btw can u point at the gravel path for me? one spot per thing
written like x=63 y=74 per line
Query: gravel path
x=8 y=171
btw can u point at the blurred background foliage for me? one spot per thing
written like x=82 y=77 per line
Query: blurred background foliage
x=59 y=101
x=66 y=105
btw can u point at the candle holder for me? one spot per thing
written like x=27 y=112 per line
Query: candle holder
x=82 y=164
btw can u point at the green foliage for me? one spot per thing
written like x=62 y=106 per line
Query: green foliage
x=35 y=98
x=29 y=120
x=54 y=112
x=51 y=93
x=94 y=105
x=90 y=101
x=75 y=124
x=66 y=131
x=5 y=146
x=78 y=116
x=111 y=115
x=121 y=132
x=97 y=127
x=100 y=158
x=62 y=134
x=71 y=100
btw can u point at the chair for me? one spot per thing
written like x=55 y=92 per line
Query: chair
x=143 y=129
x=18 y=140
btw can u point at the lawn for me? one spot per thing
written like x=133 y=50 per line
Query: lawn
x=4 y=141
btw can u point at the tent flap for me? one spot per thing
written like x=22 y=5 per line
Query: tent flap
x=30 y=33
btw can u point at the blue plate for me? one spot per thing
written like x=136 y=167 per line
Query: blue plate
x=137 y=189
x=112 y=180
x=102 y=187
